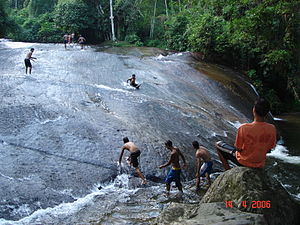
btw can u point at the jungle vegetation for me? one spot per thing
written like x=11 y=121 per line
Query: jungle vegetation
x=258 y=37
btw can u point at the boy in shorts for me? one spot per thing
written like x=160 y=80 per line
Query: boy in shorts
x=204 y=170
x=133 y=159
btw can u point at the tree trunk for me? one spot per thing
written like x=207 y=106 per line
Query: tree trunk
x=153 y=21
x=112 y=21
x=166 y=8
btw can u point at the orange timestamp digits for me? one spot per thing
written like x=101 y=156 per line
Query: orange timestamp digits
x=253 y=204
x=261 y=204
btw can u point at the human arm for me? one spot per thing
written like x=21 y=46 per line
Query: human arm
x=167 y=163
x=183 y=159
x=129 y=79
x=239 y=140
x=121 y=154
x=198 y=165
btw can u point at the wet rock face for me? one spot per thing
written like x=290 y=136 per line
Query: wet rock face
x=252 y=190
x=208 y=214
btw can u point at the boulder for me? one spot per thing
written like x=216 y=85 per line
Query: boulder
x=253 y=190
x=207 y=214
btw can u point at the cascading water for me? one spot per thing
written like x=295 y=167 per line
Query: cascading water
x=61 y=128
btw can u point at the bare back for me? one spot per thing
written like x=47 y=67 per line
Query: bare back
x=202 y=153
x=175 y=157
x=130 y=146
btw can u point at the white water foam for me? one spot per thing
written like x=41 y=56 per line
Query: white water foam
x=65 y=210
x=254 y=89
x=7 y=177
x=282 y=153
x=48 y=120
x=297 y=196
x=110 y=89
x=18 y=44
x=236 y=124
x=160 y=56
x=222 y=134
x=278 y=119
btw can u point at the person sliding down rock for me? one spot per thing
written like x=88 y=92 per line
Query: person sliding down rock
x=132 y=81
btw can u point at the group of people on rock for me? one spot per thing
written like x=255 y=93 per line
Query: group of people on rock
x=253 y=141
x=70 y=39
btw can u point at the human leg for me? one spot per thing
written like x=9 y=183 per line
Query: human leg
x=197 y=182
x=138 y=171
x=226 y=152
x=168 y=188
x=208 y=179
x=177 y=180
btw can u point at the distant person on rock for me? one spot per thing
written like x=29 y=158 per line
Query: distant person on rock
x=81 y=41
x=73 y=38
x=202 y=155
x=132 y=81
x=253 y=141
x=27 y=60
x=133 y=159
x=174 y=173
x=66 y=39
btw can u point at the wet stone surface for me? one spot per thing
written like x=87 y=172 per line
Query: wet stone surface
x=61 y=128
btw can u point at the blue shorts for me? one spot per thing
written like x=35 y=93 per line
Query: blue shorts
x=174 y=175
x=206 y=168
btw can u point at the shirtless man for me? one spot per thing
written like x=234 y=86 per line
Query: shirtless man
x=81 y=41
x=66 y=39
x=134 y=154
x=27 y=60
x=174 y=173
x=206 y=168
x=132 y=81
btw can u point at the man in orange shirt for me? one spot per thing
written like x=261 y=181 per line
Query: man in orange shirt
x=252 y=142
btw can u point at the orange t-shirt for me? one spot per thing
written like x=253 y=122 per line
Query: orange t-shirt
x=254 y=140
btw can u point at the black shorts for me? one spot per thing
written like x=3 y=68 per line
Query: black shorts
x=134 y=158
x=228 y=152
x=27 y=63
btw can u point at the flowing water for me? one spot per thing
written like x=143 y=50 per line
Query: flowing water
x=61 y=130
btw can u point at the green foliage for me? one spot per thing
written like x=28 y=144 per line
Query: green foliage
x=73 y=16
x=156 y=43
x=133 y=39
x=5 y=22
x=207 y=34
x=37 y=7
x=176 y=35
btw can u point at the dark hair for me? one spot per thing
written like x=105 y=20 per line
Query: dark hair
x=125 y=139
x=261 y=107
x=32 y=49
x=195 y=144
x=133 y=74
x=169 y=143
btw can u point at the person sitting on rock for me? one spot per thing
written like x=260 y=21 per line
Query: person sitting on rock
x=253 y=140
x=205 y=169
x=133 y=159
x=174 y=173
